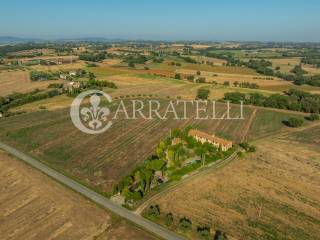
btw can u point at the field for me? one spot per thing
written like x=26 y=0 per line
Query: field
x=33 y=206
x=101 y=160
x=270 y=194
x=287 y=64
x=220 y=78
x=19 y=81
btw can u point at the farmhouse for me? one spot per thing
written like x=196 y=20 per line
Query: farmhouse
x=204 y=137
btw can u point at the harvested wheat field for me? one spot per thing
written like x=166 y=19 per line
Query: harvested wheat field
x=271 y=194
x=19 y=81
x=102 y=160
x=33 y=206
x=274 y=84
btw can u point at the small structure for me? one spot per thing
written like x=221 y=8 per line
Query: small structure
x=63 y=76
x=69 y=86
x=72 y=73
x=203 y=137
x=176 y=141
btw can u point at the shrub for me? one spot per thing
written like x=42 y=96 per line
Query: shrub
x=185 y=224
x=203 y=232
x=153 y=211
x=294 y=122
x=313 y=117
x=201 y=80
x=131 y=65
x=246 y=146
x=203 y=93
x=92 y=57
x=220 y=235
x=55 y=85
x=177 y=76
x=168 y=219
x=190 y=78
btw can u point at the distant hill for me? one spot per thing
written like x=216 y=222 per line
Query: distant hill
x=15 y=40
x=10 y=40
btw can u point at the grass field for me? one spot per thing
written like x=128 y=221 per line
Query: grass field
x=101 y=160
x=270 y=194
x=33 y=206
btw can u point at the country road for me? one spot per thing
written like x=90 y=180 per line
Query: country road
x=95 y=197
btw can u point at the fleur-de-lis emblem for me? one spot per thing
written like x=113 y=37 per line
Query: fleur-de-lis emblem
x=95 y=115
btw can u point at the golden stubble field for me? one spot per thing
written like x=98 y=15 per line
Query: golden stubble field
x=19 y=81
x=272 y=85
x=271 y=194
x=33 y=206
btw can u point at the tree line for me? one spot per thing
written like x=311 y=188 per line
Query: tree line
x=295 y=100
x=184 y=224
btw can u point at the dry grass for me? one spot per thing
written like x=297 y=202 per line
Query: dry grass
x=19 y=81
x=272 y=85
x=33 y=206
x=59 y=67
x=270 y=194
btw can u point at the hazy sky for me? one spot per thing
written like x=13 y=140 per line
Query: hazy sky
x=277 y=20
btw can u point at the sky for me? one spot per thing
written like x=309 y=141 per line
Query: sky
x=203 y=20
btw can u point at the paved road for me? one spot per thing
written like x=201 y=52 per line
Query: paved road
x=97 y=198
x=193 y=175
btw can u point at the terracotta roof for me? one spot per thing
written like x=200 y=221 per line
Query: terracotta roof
x=221 y=141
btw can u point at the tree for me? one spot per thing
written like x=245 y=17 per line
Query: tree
x=203 y=232
x=168 y=219
x=234 y=97
x=298 y=70
x=201 y=80
x=190 y=78
x=171 y=157
x=153 y=211
x=198 y=73
x=201 y=152
x=131 y=65
x=155 y=165
x=177 y=76
x=313 y=117
x=294 y=122
x=203 y=93
x=91 y=76
x=220 y=235
x=226 y=83
x=185 y=224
